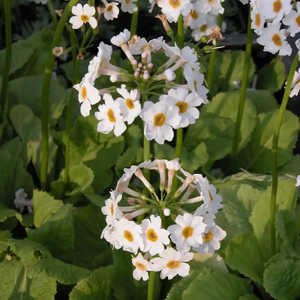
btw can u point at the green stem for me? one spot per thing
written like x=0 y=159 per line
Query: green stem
x=52 y=12
x=5 y=78
x=151 y=286
x=147 y=154
x=179 y=139
x=134 y=21
x=275 y=150
x=68 y=110
x=180 y=32
x=46 y=91
x=240 y=112
x=212 y=59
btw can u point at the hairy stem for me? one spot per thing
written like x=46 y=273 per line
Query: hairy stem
x=243 y=91
x=46 y=91
x=275 y=150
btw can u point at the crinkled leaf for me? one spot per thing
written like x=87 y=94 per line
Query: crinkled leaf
x=44 y=207
x=243 y=255
x=257 y=156
x=272 y=76
x=263 y=100
x=292 y=167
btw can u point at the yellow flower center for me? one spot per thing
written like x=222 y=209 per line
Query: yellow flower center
x=175 y=3
x=277 y=5
x=151 y=235
x=111 y=116
x=183 y=106
x=129 y=103
x=203 y=28
x=127 y=1
x=83 y=92
x=194 y=14
x=128 y=236
x=257 y=20
x=208 y=237
x=112 y=210
x=187 y=231
x=195 y=85
x=140 y=266
x=159 y=120
x=84 y=18
x=277 y=40
x=109 y=8
x=298 y=21
x=210 y=196
x=173 y=264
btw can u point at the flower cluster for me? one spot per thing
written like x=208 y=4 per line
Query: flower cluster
x=274 y=21
x=146 y=90
x=157 y=243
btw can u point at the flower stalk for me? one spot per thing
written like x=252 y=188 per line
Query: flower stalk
x=134 y=21
x=8 y=56
x=46 y=92
x=151 y=285
x=243 y=91
x=275 y=141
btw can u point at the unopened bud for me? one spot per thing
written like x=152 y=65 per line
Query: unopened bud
x=167 y=212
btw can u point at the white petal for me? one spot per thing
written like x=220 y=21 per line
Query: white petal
x=93 y=22
x=76 y=22
x=85 y=108
x=77 y=10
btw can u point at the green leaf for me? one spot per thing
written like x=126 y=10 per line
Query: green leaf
x=272 y=76
x=216 y=285
x=257 y=156
x=20 y=283
x=228 y=70
x=215 y=132
x=27 y=91
x=44 y=207
x=131 y=156
x=263 y=100
x=90 y=251
x=248 y=297
x=292 y=167
x=226 y=105
x=282 y=278
x=243 y=255
x=97 y=286
x=6 y=213
x=57 y=234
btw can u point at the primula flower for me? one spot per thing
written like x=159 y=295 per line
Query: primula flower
x=293 y=21
x=82 y=16
x=298 y=180
x=205 y=25
x=142 y=266
x=257 y=19
x=128 y=6
x=160 y=119
x=187 y=232
x=111 y=209
x=275 y=9
x=130 y=105
x=274 y=40
x=87 y=96
x=296 y=84
x=173 y=8
x=154 y=236
x=171 y=263
x=211 y=6
x=109 y=116
x=195 y=82
x=111 y=10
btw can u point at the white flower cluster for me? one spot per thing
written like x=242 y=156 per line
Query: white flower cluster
x=274 y=21
x=111 y=9
x=177 y=108
x=157 y=246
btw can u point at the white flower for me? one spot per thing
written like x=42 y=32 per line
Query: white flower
x=293 y=21
x=160 y=119
x=130 y=105
x=295 y=84
x=195 y=84
x=111 y=10
x=122 y=38
x=110 y=118
x=273 y=39
x=83 y=15
x=154 y=236
x=187 y=103
x=173 y=8
x=142 y=266
x=109 y=233
x=87 y=95
x=141 y=45
x=298 y=180
x=206 y=24
x=128 y=6
x=211 y=240
x=129 y=234
x=171 y=263
x=257 y=19
x=275 y=9
x=111 y=209
x=190 y=58
x=57 y=51
x=187 y=232
x=211 y=6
